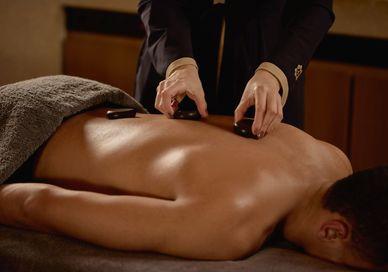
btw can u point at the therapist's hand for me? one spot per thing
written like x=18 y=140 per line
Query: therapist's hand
x=262 y=91
x=183 y=81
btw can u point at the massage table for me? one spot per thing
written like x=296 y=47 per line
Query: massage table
x=29 y=251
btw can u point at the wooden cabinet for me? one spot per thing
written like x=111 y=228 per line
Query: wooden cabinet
x=106 y=58
x=369 y=127
x=346 y=105
x=327 y=103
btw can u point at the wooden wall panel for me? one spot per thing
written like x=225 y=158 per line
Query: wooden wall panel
x=108 y=59
x=327 y=93
x=369 y=134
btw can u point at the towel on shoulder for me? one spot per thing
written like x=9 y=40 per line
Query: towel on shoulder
x=31 y=111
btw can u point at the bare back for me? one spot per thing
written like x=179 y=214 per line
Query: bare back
x=237 y=181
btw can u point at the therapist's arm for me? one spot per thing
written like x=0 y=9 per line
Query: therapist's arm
x=304 y=33
x=169 y=44
x=305 y=30
x=168 y=31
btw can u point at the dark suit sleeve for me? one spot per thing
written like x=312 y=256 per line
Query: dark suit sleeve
x=168 y=31
x=304 y=33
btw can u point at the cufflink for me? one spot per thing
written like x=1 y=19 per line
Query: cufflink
x=298 y=71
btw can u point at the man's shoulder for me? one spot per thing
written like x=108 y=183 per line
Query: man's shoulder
x=293 y=136
x=339 y=155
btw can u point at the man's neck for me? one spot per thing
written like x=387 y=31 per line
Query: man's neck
x=295 y=223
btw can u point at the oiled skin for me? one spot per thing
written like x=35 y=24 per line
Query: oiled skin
x=224 y=193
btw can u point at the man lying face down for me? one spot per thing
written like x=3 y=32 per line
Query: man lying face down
x=196 y=190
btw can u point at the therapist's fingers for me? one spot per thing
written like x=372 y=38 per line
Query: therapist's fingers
x=167 y=100
x=163 y=102
x=158 y=96
x=278 y=118
x=241 y=110
x=260 y=108
x=201 y=106
x=280 y=108
x=167 y=96
x=199 y=99
x=246 y=101
x=180 y=97
x=271 y=113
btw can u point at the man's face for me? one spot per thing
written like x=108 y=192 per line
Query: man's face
x=325 y=235
x=332 y=244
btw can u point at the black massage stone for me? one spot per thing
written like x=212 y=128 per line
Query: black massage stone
x=187 y=115
x=121 y=113
x=244 y=128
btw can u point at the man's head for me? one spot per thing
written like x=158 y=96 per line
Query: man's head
x=349 y=223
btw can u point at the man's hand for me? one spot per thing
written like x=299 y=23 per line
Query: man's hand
x=262 y=91
x=183 y=81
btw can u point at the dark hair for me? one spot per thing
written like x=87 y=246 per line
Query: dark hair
x=362 y=198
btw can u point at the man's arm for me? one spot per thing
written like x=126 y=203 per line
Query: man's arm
x=124 y=222
x=168 y=31
x=115 y=221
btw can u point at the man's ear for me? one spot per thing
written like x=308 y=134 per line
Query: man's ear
x=334 y=230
